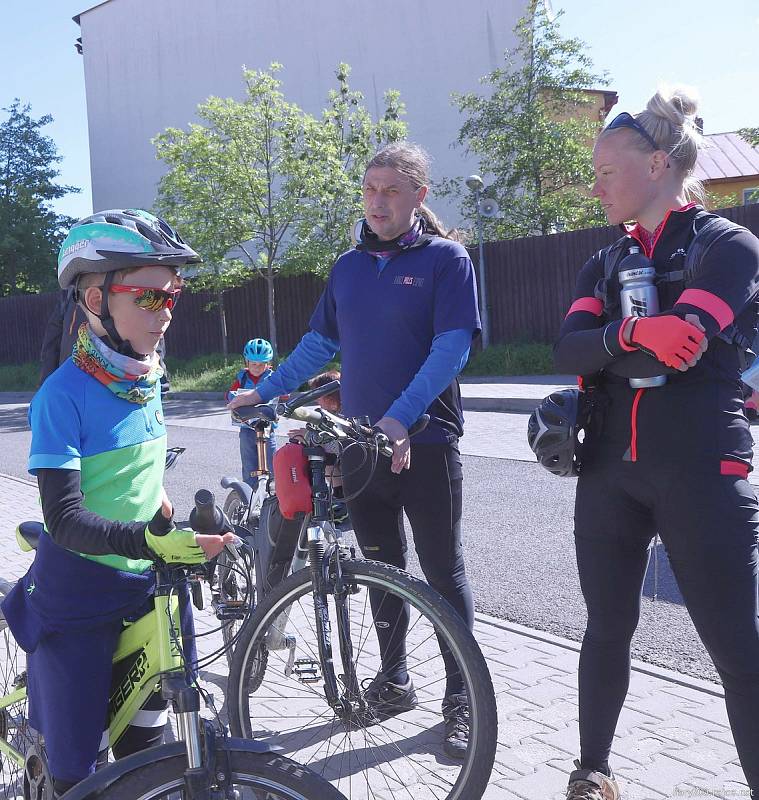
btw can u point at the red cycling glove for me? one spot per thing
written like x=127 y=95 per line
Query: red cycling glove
x=671 y=340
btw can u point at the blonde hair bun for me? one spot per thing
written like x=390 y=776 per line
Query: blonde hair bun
x=676 y=104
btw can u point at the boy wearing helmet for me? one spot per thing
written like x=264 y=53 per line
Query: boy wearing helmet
x=258 y=354
x=98 y=451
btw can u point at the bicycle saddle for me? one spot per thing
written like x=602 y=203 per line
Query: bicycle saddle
x=262 y=411
x=28 y=535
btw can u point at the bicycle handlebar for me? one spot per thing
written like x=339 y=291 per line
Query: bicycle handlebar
x=207 y=517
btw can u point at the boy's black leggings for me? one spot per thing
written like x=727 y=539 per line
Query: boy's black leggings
x=430 y=494
x=709 y=525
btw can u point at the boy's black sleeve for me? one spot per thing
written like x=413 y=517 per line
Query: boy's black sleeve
x=70 y=525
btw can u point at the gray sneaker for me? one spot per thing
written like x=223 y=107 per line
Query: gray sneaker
x=585 y=784
x=385 y=699
x=456 y=716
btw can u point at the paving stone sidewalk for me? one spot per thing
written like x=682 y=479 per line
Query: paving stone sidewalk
x=673 y=739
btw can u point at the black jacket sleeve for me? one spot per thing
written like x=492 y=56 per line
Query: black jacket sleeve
x=70 y=525
x=587 y=342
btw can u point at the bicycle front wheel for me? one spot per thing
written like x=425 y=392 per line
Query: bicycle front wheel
x=255 y=776
x=283 y=703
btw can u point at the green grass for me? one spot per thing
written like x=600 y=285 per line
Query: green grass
x=19 y=378
x=517 y=358
x=209 y=374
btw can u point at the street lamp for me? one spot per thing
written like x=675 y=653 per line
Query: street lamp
x=476 y=185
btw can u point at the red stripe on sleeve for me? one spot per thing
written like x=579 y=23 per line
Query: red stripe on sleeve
x=590 y=304
x=733 y=468
x=714 y=306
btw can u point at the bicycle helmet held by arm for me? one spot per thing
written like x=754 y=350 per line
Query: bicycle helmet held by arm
x=552 y=432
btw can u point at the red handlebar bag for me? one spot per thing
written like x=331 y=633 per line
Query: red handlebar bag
x=291 y=480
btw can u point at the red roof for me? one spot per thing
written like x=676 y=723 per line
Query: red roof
x=726 y=155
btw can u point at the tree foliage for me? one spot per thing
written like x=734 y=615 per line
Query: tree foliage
x=30 y=230
x=532 y=130
x=262 y=188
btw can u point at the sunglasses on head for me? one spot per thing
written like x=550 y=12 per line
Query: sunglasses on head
x=625 y=120
x=149 y=298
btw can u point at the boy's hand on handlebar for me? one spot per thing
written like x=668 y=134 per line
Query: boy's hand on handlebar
x=246 y=397
x=212 y=544
x=399 y=439
x=176 y=546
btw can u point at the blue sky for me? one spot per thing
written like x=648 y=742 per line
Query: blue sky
x=639 y=44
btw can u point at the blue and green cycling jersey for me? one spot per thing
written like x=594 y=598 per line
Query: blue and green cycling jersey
x=118 y=447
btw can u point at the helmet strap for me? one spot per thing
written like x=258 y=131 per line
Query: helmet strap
x=113 y=337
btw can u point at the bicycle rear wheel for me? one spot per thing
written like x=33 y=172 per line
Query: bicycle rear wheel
x=14 y=723
x=255 y=776
x=283 y=703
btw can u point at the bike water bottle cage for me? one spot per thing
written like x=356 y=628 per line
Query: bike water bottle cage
x=552 y=432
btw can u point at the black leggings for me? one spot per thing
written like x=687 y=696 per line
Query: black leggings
x=430 y=494
x=709 y=525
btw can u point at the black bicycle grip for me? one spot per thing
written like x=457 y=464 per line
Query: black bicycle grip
x=207 y=517
x=310 y=396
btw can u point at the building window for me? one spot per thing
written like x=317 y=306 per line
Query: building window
x=751 y=195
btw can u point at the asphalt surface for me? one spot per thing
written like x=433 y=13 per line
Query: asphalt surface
x=518 y=538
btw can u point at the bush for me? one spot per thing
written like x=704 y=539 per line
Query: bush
x=515 y=358
x=19 y=377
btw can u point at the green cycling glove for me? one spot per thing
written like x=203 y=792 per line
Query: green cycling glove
x=171 y=544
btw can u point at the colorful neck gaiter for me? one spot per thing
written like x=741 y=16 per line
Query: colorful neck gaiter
x=126 y=377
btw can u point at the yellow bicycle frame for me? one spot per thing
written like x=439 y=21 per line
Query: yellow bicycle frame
x=146 y=649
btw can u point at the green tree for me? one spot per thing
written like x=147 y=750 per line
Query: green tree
x=532 y=131
x=262 y=188
x=235 y=182
x=751 y=135
x=342 y=146
x=30 y=230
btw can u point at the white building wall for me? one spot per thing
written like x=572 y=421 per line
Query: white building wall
x=148 y=63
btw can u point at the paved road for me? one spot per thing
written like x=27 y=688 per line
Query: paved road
x=517 y=522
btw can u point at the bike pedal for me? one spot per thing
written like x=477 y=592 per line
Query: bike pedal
x=307 y=670
x=230 y=610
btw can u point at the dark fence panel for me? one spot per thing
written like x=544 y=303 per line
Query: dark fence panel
x=530 y=286
x=531 y=280
x=23 y=318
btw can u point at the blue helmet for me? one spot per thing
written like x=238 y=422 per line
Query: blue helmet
x=258 y=350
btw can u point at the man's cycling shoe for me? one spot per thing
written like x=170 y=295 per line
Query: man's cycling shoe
x=456 y=717
x=585 y=784
x=385 y=699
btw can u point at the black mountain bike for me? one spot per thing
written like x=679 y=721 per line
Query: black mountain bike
x=310 y=644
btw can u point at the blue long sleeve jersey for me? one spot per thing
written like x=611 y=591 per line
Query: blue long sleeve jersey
x=448 y=355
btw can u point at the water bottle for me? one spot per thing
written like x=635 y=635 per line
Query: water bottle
x=639 y=298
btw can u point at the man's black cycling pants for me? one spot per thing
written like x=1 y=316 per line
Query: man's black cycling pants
x=430 y=494
x=709 y=525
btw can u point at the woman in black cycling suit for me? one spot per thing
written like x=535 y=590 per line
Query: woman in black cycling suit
x=673 y=458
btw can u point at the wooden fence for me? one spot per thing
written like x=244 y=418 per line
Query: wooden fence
x=530 y=285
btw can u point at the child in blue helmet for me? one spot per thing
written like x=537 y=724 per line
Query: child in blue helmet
x=258 y=354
